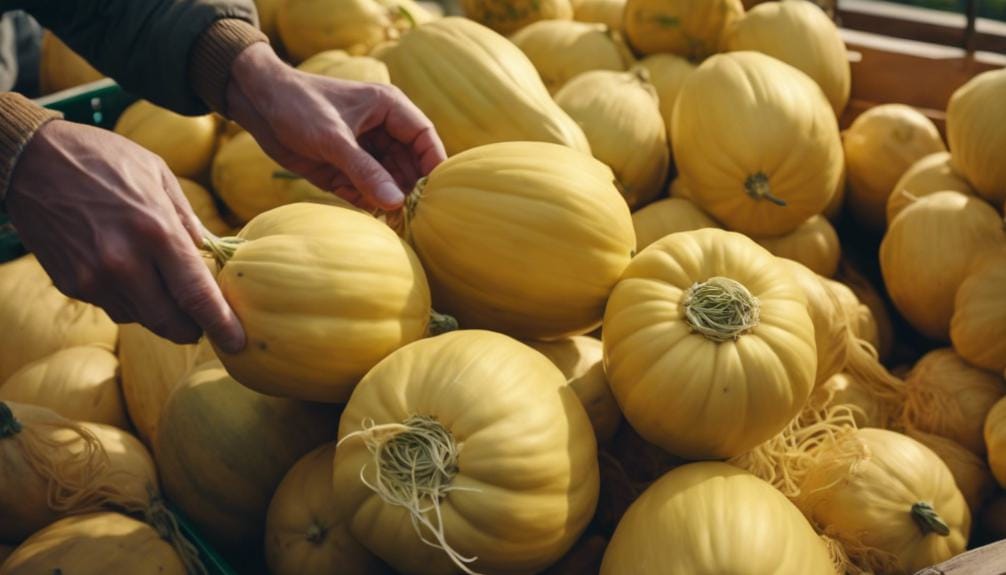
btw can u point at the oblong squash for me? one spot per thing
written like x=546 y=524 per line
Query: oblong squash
x=509 y=16
x=667 y=74
x=561 y=50
x=339 y=64
x=759 y=181
x=690 y=28
x=479 y=223
x=712 y=517
x=814 y=244
x=970 y=472
x=514 y=499
x=308 y=27
x=974 y=116
x=505 y=99
x=668 y=216
x=607 y=12
x=60 y=68
x=978 y=326
x=995 y=439
x=204 y=206
x=931 y=174
x=703 y=379
x=186 y=143
x=619 y=114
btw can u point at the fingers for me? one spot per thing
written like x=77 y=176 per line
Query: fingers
x=407 y=124
x=153 y=306
x=366 y=173
x=190 y=221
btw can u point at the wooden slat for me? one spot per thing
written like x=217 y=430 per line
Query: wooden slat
x=922 y=24
x=987 y=560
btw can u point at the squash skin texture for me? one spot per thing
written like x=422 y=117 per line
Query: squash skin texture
x=693 y=396
x=690 y=28
x=509 y=16
x=607 y=12
x=186 y=143
x=970 y=472
x=978 y=326
x=831 y=325
x=709 y=518
x=995 y=438
x=727 y=156
x=933 y=173
x=561 y=50
x=814 y=244
x=528 y=452
x=531 y=251
x=204 y=207
x=339 y=64
x=308 y=27
x=668 y=216
x=505 y=99
x=60 y=67
x=975 y=115
x=667 y=74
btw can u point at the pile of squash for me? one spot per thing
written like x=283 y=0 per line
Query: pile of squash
x=614 y=332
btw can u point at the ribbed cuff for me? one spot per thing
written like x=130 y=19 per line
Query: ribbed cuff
x=20 y=118
x=213 y=54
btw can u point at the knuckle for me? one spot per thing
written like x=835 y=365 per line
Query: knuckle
x=114 y=262
x=151 y=228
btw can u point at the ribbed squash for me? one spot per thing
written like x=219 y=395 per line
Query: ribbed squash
x=95 y=544
x=889 y=500
x=306 y=532
x=831 y=328
x=933 y=173
x=44 y=319
x=60 y=67
x=222 y=449
x=607 y=12
x=690 y=28
x=667 y=74
x=844 y=389
x=503 y=475
x=929 y=249
x=80 y=383
x=204 y=206
x=802 y=35
x=970 y=472
x=706 y=518
x=525 y=238
x=813 y=244
x=949 y=398
x=323 y=293
x=868 y=308
x=509 y=16
x=975 y=115
x=880 y=146
x=561 y=50
x=668 y=216
x=339 y=64
x=619 y=114
x=186 y=143
x=708 y=344
x=756 y=180
x=995 y=439
x=308 y=27
x=581 y=360
x=978 y=326
x=505 y=99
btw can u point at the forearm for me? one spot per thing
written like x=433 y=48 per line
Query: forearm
x=20 y=118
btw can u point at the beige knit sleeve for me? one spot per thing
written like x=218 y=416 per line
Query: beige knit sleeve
x=213 y=54
x=19 y=119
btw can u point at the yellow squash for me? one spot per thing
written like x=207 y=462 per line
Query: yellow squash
x=690 y=28
x=975 y=115
x=813 y=244
x=668 y=73
x=711 y=518
x=756 y=143
x=931 y=174
x=268 y=10
x=995 y=438
x=668 y=216
x=708 y=344
x=978 y=326
x=864 y=302
x=186 y=143
x=560 y=50
x=831 y=324
x=466 y=449
x=607 y=12
x=970 y=472
x=339 y=64
x=843 y=389
x=61 y=68
x=308 y=27
x=509 y=16
x=204 y=206
x=505 y=99
x=618 y=112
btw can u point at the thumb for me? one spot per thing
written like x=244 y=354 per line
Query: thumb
x=366 y=173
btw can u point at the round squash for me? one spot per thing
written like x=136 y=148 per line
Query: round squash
x=339 y=64
x=525 y=238
x=861 y=319
x=931 y=174
x=889 y=500
x=995 y=439
x=80 y=383
x=929 y=249
x=186 y=143
x=509 y=16
x=607 y=12
x=514 y=499
x=95 y=544
x=323 y=293
x=222 y=449
x=204 y=206
x=813 y=244
x=844 y=389
x=581 y=360
x=708 y=344
x=561 y=50
x=880 y=146
x=308 y=27
x=970 y=472
x=677 y=189
x=505 y=99
x=949 y=398
x=44 y=319
x=306 y=532
x=693 y=29
x=831 y=326
x=618 y=112
x=836 y=205
x=802 y=35
x=975 y=114
x=667 y=74
x=864 y=302
x=978 y=326
x=711 y=517
x=668 y=216
x=61 y=68
x=758 y=181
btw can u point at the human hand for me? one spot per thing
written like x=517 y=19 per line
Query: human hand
x=109 y=223
x=365 y=142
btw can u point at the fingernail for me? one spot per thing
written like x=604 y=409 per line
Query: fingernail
x=233 y=340
x=389 y=195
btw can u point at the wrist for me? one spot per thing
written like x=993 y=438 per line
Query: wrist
x=20 y=121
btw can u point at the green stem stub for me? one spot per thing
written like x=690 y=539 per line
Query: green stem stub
x=721 y=309
x=758 y=187
x=928 y=520
x=316 y=534
x=9 y=425
x=223 y=249
x=441 y=323
x=286 y=175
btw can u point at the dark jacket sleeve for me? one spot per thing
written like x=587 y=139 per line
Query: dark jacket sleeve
x=145 y=45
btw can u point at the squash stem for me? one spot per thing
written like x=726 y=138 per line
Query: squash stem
x=316 y=534
x=441 y=323
x=223 y=249
x=928 y=520
x=721 y=309
x=757 y=186
x=158 y=516
x=286 y=175
x=9 y=425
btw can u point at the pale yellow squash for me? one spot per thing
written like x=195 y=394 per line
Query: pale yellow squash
x=831 y=324
x=880 y=146
x=509 y=16
x=668 y=216
x=504 y=464
x=505 y=99
x=709 y=347
x=975 y=115
x=978 y=326
x=836 y=205
x=929 y=249
x=802 y=35
x=861 y=319
x=561 y=50
x=339 y=64
x=618 y=112
x=710 y=518
x=889 y=500
x=668 y=73
x=607 y=12
x=844 y=389
x=931 y=174
x=677 y=189
x=60 y=68
x=864 y=302
x=480 y=222
x=204 y=206
x=970 y=472
x=756 y=143
x=690 y=28
x=813 y=244
x=186 y=143
x=308 y=27
x=995 y=439
x=80 y=383
x=268 y=10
